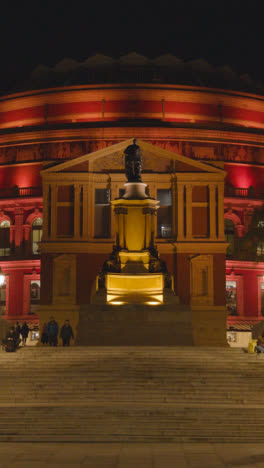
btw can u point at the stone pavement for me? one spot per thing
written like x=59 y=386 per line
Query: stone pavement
x=125 y=455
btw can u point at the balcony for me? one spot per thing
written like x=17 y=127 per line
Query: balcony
x=20 y=192
x=238 y=192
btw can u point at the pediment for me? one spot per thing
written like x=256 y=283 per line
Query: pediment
x=111 y=160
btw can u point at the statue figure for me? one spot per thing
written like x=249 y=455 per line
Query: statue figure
x=133 y=162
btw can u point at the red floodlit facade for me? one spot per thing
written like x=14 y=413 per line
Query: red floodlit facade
x=47 y=126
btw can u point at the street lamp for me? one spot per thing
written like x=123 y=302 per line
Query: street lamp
x=2 y=277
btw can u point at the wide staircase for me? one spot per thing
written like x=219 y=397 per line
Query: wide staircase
x=131 y=394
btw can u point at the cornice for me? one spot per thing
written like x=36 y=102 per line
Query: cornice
x=172 y=133
x=161 y=91
x=243 y=265
x=106 y=247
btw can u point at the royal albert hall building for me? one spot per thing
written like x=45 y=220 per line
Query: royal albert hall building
x=192 y=109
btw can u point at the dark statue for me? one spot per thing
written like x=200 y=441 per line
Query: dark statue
x=133 y=162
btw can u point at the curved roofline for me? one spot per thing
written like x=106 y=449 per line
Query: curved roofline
x=36 y=92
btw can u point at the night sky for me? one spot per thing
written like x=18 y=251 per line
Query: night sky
x=44 y=32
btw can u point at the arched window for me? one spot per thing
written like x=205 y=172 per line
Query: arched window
x=4 y=238
x=34 y=291
x=231 y=297
x=36 y=234
x=230 y=236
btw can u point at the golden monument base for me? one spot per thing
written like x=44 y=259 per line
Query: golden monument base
x=150 y=325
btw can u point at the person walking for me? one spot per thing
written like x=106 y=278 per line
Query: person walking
x=52 y=330
x=66 y=333
x=24 y=333
x=44 y=334
x=17 y=330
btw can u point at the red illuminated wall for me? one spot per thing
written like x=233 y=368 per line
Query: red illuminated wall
x=23 y=175
x=244 y=175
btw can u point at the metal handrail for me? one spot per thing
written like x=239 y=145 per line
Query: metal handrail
x=18 y=192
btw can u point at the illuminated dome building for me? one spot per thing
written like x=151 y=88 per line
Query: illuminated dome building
x=192 y=109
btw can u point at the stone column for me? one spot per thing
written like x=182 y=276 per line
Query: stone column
x=53 y=217
x=19 y=215
x=180 y=212
x=188 y=212
x=221 y=231
x=91 y=202
x=212 y=208
x=174 y=204
x=85 y=211
x=46 y=220
x=77 y=209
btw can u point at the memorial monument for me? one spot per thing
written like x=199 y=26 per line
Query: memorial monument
x=134 y=272
x=130 y=294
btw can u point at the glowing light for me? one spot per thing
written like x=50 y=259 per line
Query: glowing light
x=152 y=303
x=117 y=303
x=2 y=277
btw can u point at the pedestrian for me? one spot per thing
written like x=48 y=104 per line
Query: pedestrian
x=10 y=341
x=24 y=333
x=17 y=330
x=44 y=334
x=260 y=345
x=66 y=333
x=52 y=330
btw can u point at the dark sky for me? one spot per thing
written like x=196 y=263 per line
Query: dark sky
x=34 y=32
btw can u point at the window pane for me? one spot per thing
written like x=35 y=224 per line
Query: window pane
x=4 y=252
x=37 y=222
x=164 y=196
x=102 y=196
x=230 y=236
x=164 y=221
x=164 y=214
x=5 y=224
x=3 y=294
x=102 y=213
x=102 y=221
x=36 y=237
x=4 y=237
x=231 y=297
x=260 y=249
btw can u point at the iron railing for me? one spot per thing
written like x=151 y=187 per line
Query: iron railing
x=239 y=192
x=19 y=192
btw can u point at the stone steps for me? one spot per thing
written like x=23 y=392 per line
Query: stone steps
x=131 y=394
x=133 y=424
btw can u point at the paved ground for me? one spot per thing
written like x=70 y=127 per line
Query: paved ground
x=63 y=455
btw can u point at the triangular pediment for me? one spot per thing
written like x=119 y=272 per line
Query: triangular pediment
x=111 y=160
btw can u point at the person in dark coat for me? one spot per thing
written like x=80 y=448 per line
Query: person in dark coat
x=66 y=333
x=17 y=330
x=44 y=334
x=52 y=330
x=260 y=345
x=10 y=341
x=24 y=333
